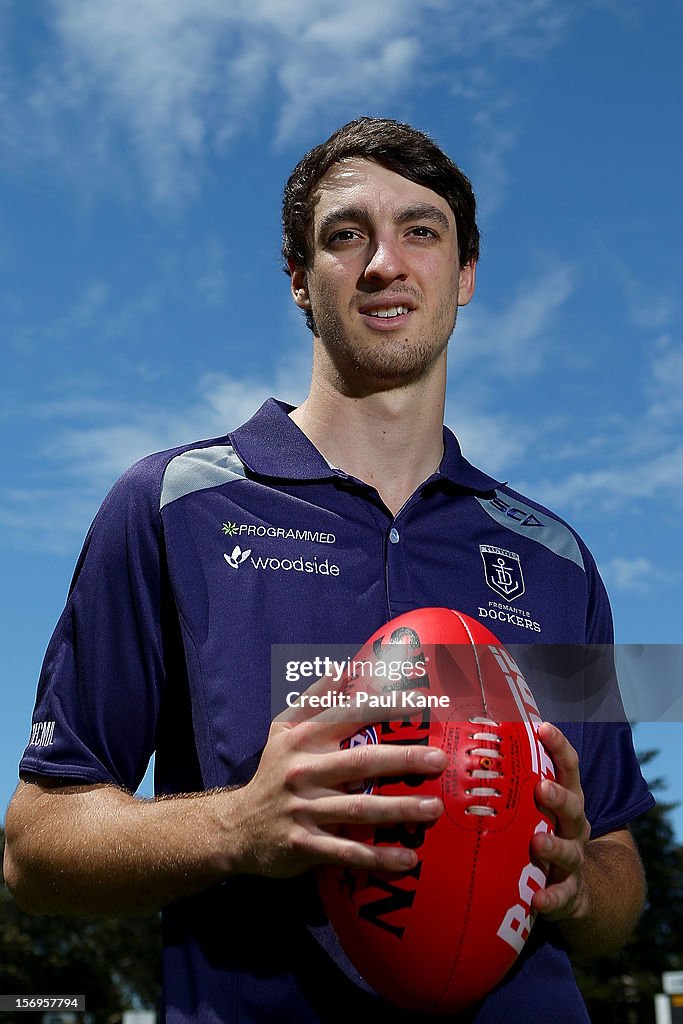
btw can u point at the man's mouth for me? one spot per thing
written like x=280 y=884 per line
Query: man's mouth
x=389 y=312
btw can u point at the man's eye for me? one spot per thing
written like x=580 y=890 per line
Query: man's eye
x=345 y=235
x=423 y=232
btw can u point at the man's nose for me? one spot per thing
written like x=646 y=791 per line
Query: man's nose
x=386 y=262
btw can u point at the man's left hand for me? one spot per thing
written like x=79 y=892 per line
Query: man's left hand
x=565 y=894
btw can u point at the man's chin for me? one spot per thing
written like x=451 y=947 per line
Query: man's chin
x=368 y=376
x=382 y=363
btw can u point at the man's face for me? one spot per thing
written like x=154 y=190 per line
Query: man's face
x=384 y=282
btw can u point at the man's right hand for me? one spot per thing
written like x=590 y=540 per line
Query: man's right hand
x=291 y=810
x=97 y=849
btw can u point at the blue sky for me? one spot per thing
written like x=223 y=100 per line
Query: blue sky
x=143 y=148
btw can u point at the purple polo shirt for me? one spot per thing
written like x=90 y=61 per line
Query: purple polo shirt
x=203 y=557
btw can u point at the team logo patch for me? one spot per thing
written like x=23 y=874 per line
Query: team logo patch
x=502 y=571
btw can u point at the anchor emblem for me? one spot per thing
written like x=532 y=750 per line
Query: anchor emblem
x=502 y=571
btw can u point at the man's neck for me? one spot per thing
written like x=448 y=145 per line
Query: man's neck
x=392 y=440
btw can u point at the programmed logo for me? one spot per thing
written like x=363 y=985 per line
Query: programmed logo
x=502 y=571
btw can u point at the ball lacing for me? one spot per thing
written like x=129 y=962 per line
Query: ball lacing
x=489 y=766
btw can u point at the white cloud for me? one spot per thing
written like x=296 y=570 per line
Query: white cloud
x=179 y=80
x=631 y=573
x=650 y=308
x=82 y=314
x=495 y=140
x=509 y=342
x=512 y=340
x=213 y=283
x=99 y=313
x=666 y=388
x=94 y=440
x=491 y=441
x=622 y=484
x=637 y=455
x=99 y=452
x=52 y=519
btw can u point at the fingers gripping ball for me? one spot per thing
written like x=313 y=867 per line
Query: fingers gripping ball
x=439 y=937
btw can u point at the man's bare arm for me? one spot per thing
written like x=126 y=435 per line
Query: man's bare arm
x=612 y=896
x=99 y=850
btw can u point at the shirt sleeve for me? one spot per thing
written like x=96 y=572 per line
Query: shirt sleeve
x=103 y=676
x=613 y=784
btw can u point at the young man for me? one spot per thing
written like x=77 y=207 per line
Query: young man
x=312 y=525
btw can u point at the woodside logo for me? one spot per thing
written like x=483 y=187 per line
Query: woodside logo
x=300 y=564
x=322 y=567
x=237 y=556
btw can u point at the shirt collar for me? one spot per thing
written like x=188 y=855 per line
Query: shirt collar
x=271 y=445
x=455 y=467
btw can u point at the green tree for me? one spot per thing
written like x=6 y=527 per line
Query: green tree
x=115 y=962
x=620 y=989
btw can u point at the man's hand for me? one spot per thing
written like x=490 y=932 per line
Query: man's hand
x=291 y=810
x=97 y=849
x=596 y=887
x=563 y=852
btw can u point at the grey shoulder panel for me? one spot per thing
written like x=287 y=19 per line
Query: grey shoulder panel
x=533 y=524
x=198 y=469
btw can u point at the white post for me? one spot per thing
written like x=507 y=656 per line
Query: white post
x=662 y=1009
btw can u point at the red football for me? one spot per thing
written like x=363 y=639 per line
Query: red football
x=439 y=937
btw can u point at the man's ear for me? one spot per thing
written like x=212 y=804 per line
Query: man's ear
x=468 y=275
x=299 y=285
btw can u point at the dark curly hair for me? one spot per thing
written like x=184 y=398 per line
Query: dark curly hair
x=396 y=146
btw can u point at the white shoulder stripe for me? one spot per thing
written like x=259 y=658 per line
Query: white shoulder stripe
x=532 y=524
x=198 y=469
